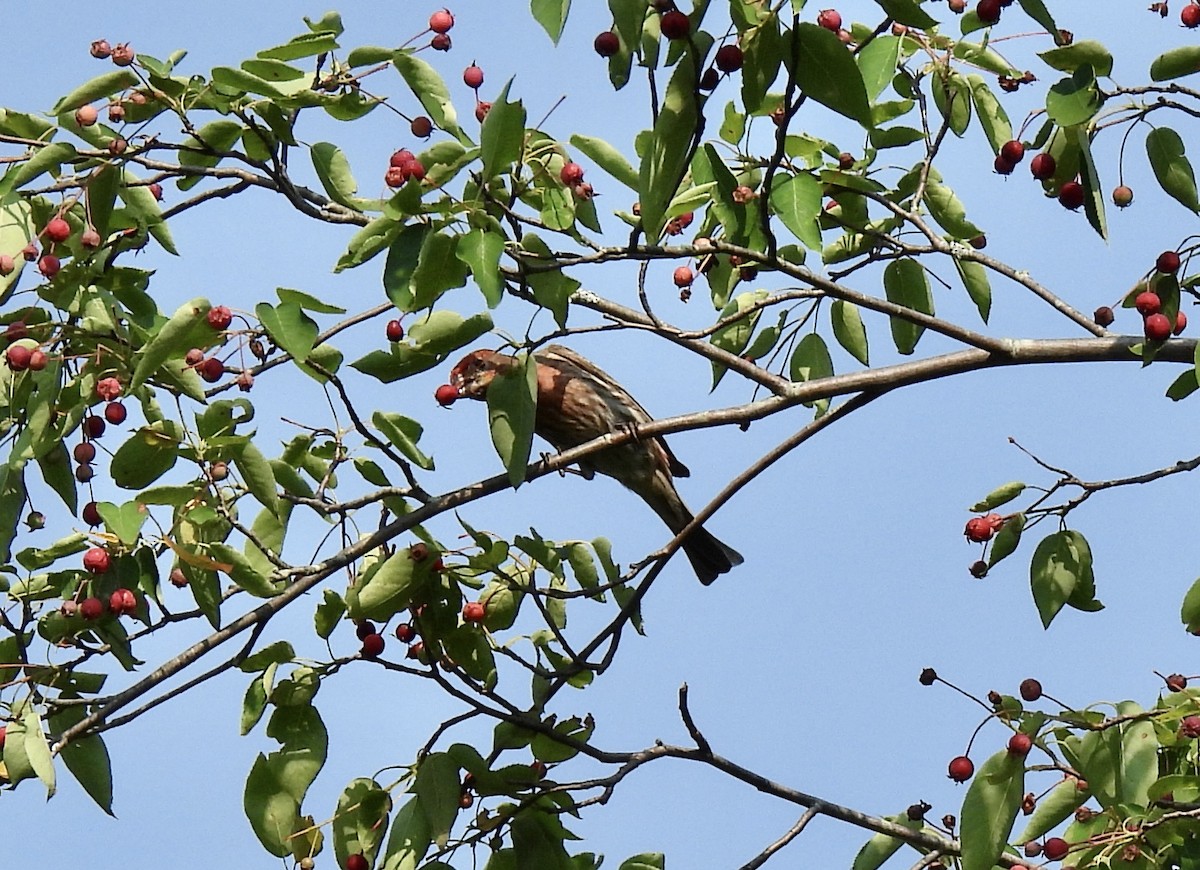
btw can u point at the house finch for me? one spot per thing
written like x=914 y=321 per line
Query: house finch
x=576 y=403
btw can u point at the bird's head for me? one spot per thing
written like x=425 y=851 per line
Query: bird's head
x=474 y=372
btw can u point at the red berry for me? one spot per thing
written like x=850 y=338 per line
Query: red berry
x=1190 y=727
x=961 y=769
x=219 y=317
x=90 y=238
x=7 y=264
x=357 y=861
x=473 y=77
x=37 y=360
x=156 y=190
x=1031 y=690
x=1190 y=15
x=441 y=21
x=1020 y=744
x=122 y=601
x=1180 y=325
x=58 y=230
x=1056 y=849
x=684 y=276
x=49 y=265
x=86 y=116
x=211 y=369
x=421 y=127
x=979 y=530
x=474 y=612
x=1167 y=262
x=607 y=43
x=96 y=560
x=1070 y=195
x=101 y=49
x=16 y=330
x=18 y=356
x=94 y=426
x=108 y=389
x=710 y=79
x=372 y=647
x=1122 y=196
x=440 y=42
x=1013 y=151
x=115 y=413
x=1157 y=327
x=402 y=157
x=194 y=357
x=413 y=169
x=395 y=330
x=91 y=608
x=84 y=451
x=178 y=578
x=29 y=252
x=1177 y=682
x=1147 y=303
x=84 y=473
x=405 y=633
x=394 y=177
x=571 y=174
x=362 y=629
x=446 y=395
x=122 y=54
x=481 y=110
x=988 y=11
x=1042 y=166
x=830 y=19
x=675 y=25
x=729 y=58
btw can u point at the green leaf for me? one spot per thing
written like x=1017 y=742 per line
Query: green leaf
x=975 y=279
x=645 y=861
x=438 y=270
x=811 y=362
x=187 y=328
x=990 y=113
x=48 y=158
x=735 y=336
x=125 y=521
x=480 y=250
x=848 y=329
x=607 y=158
x=438 y=789
x=552 y=15
x=329 y=613
x=1183 y=386
x=877 y=62
x=1061 y=567
x=404 y=252
x=733 y=126
x=552 y=290
x=305 y=45
x=1168 y=159
x=763 y=50
x=990 y=809
x=1053 y=809
x=361 y=820
x=502 y=135
x=1176 y=63
x=1075 y=100
x=333 y=169
x=668 y=151
x=1069 y=58
x=876 y=851
x=144 y=458
x=257 y=475
x=431 y=90
x=403 y=433
x=387 y=590
x=271 y=811
x=289 y=327
x=796 y=199
x=102 y=86
x=307 y=301
x=429 y=342
x=410 y=838
x=512 y=402
x=1139 y=757
x=908 y=12
x=826 y=72
x=1093 y=204
x=947 y=209
x=1001 y=495
x=1007 y=539
x=254 y=704
x=906 y=283
x=1037 y=10
x=952 y=96
x=242 y=572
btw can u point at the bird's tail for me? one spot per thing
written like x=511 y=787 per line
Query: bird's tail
x=710 y=558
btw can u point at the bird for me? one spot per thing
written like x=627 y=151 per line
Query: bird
x=577 y=402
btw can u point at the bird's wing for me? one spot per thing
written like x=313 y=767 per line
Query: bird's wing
x=565 y=354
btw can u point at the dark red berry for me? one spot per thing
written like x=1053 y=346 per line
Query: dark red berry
x=372 y=647
x=729 y=58
x=1103 y=316
x=219 y=317
x=606 y=43
x=211 y=369
x=84 y=473
x=961 y=769
x=1180 y=325
x=122 y=601
x=18 y=356
x=94 y=426
x=1055 y=849
x=440 y=42
x=115 y=413
x=405 y=633
x=57 y=230
x=421 y=127
x=362 y=629
x=84 y=451
x=1071 y=195
x=1020 y=744
x=395 y=330
x=1042 y=166
x=1031 y=690
x=91 y=608
x=1002 y=166
x=675 y=25
x=684 y=276
x=446 y=395
x=96 y=560
x=49 y=265
x=357 y=862
x=1167 y=262
x=91 y=514
x=1177 y=682
x=474 y=612
x=988 y=11
x=1013 y=151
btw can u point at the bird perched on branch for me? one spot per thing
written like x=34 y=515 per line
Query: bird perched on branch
x=578 y=402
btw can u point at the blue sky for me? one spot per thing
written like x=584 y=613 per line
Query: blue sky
x=803 y=663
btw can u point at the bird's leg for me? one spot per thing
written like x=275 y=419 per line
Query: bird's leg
x=585 y=473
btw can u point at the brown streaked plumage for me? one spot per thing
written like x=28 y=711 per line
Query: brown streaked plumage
x=578 y=402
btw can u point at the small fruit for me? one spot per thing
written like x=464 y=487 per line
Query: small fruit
x=395 y=330
x=156 y=190
x=675 y=25
x=372 y=647
x=178 y=578
x=979 y=530
x=363 y=628
x=18 y=356
x=1190 y=727
x=1031 y=690
x=194 y=357
x=1071 y=195
x=481 y=110
x=978 y=569
x=122 y=601
x=91 y=608
x=405 y=633
x=1167 y=262
x=1103 y=316
x=1180 y=326
x=1177 y=682
x=988 y=11
x=474 y=612
x=244 y=381
x=1013 y=151
x=961 y=769
x=357 y=862
x=96 y=561
x=211 y=369
x=571 y=174
x=86 y=116
x=441 y=21
x=49 y=265
x=108 y=388
x=7 y=265
x=729 y=58
x=401 y=158
x=446 y=395
x=1122 y=196
x=1147 y=303
x=122 y=54
x=1042 y=166
x=606 y=43
x=116 y=113
x=419 y=552
x=219 y=471
x=94 y=426
x=1002 y=166
x=118 y=146
x=1020 y=744
x=90 y=238
x=101 y=49
x=57 y=230
x=684 y=276
x=845 y=161
x=710 y=79
x=979 y=242
x=219 y=317
x=84 y=451
x=1157 y=327
x=115 y=413
x=1055 y=849
x=440 y=42
x=84 y=473
x=473 y=77
x=91 y=514
x=29 y=252
x=1189 y=15
x=830 y=19
x=421 y=127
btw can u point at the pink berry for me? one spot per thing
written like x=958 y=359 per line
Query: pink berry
x=219 y=317
x=571 y=174
x=473 y=77
x=86 y=116
x=830 y=19
x=1180 y=324
x=122 y=54
x=90 y=238
x=37 y=360
x=58 y=230
x=84 y=451
x=108 y=389
x=684 y=276
x=1020 y=744
x=18 y=356
x=96 y=561
x=1147 y=303
x=441 y=21
x=7 y=265
x=100 y=49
